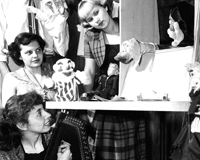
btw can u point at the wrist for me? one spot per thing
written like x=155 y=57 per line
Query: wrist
x=148 y=47
x=4 y=55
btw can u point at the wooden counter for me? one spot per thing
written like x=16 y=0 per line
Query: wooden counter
x=164 y=120
x=167 y=106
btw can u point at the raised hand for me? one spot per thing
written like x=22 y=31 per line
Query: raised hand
x=64 y=152
x=175 y=33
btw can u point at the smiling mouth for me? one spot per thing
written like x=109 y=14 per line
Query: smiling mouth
x=35 y=61
x=50 y=122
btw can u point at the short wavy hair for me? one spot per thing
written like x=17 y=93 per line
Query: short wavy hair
x=102 y=3
x=16 y=111
x=24 y=38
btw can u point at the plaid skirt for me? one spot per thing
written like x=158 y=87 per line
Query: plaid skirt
x=118 y=135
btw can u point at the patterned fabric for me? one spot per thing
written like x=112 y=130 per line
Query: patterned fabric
x=26 y=84
x=66 y=91
x=18 y=153
x=118 y=136
x=65 y=80
x=94 y=46
x=115 y=136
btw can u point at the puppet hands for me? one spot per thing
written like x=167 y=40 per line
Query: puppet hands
x=4 y=55
x=82 y=77
x=133 y=49
x=40 y=15
x=130 y=50
x=175 y=33
x=31 y=9
x=64 y=152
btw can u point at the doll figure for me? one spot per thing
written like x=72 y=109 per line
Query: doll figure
x=108 y=84
x=66 y=80
x=107 y=87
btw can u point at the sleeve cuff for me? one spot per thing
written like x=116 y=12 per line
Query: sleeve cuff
x=3 y=58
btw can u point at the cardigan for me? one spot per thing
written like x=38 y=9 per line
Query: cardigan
x=18 y=153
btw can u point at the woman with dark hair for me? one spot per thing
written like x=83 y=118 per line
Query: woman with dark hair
x=25 y=129
x=27 y=52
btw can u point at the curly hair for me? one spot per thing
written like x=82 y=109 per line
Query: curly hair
x=102 y=3
x=16 y=111
x=24 y=38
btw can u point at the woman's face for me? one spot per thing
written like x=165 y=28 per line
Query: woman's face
x=39 y=121
x=31 y=54
x=95 y=15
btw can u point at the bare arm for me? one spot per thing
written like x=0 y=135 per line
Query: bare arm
x=4 y=68
x=3 y=26
x=90 y=68
x=8 y=88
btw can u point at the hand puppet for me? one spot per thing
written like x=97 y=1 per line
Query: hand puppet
x=194 y=72
x=67 y=80
x=132 y=50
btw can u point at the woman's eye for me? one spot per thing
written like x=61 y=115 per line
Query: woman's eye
x=89 y=19
x=29 y=52
x=39 y=113
x=96 y=13
x=39 y=50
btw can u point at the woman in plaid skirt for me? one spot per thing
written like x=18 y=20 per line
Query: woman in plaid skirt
x=114 y=135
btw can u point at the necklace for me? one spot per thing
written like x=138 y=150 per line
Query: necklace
x=34 y=80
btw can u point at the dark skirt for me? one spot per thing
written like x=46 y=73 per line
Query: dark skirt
x=118 y=135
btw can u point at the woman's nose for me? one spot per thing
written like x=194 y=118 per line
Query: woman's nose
x=34 y=54
x=97 y=20
x=47 y=114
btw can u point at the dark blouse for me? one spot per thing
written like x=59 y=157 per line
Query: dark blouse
x=36 y=156
x=111 y=52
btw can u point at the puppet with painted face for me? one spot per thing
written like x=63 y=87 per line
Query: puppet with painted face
x=108 y=86
x=194 y=72
x=67 y=80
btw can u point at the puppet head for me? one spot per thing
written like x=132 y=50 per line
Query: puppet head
x=194 y=72
x=113 y=69
x=130 y=50
x=64 y=66
x=64 y=79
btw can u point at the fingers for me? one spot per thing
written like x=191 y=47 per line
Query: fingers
x=64 y=146
x=176 y=27
x=175 y=43
x=177 y=35
x=171 y=33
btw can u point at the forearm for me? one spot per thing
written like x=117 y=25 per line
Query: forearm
x=147 y=47
x=4 y=69
x=89 y=87
x=89 y=69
